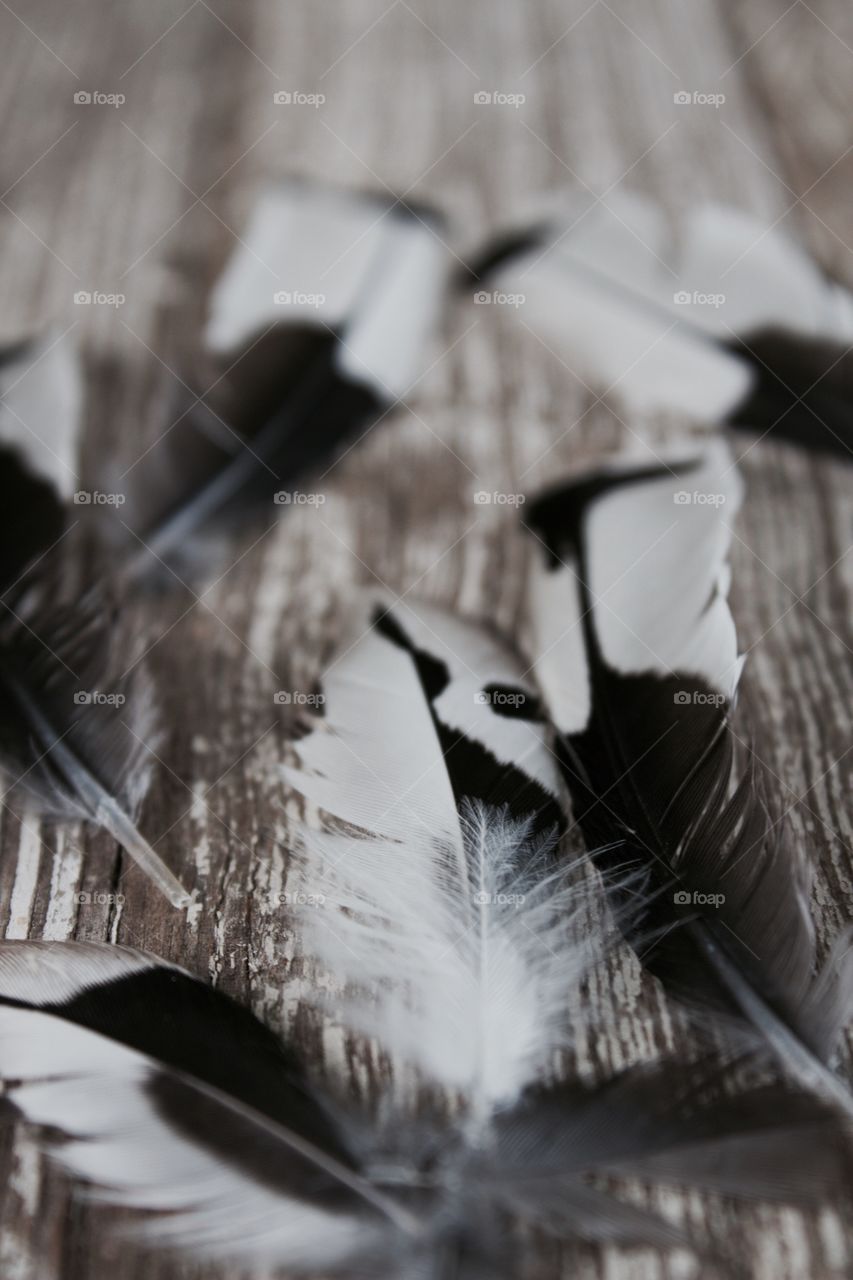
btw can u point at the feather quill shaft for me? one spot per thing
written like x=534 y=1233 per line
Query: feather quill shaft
x=100 y=804
x=789 y=1048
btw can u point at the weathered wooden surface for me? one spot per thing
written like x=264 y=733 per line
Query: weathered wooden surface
x=144 y=200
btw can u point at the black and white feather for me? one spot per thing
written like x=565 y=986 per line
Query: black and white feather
x=432 y=742
x=724 y=319
x=319 y=324
x=170 y=1097
x=634 y=647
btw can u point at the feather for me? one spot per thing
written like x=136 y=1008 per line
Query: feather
x=466 y=814
x=439 y=905
x=737 y=325
x=170 y=1097
x=635 y=648
x=317 y=327
x=78 y=720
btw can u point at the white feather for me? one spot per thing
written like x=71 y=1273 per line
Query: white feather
x=560 y=662
x=476 y=660
x=762 y=275
x=658 y=571
x=311 y=246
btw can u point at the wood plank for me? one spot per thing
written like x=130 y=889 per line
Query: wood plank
x=145 y=200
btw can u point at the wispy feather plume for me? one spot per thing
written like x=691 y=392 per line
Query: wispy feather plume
x=502 y=933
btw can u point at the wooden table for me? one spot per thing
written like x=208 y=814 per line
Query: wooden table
x=145 y=198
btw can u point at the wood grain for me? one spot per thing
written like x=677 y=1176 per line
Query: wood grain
x=146 y=199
